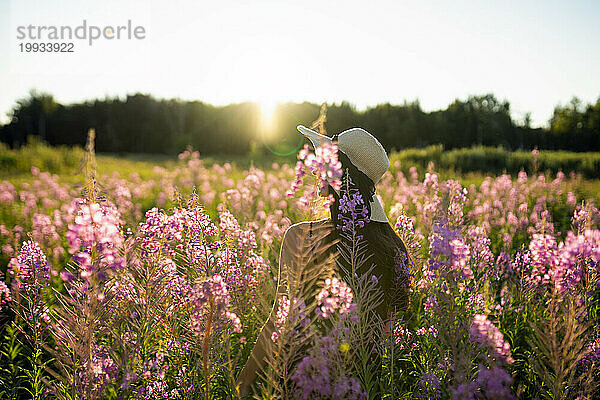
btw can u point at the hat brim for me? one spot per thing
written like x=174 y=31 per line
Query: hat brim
x=315 y=138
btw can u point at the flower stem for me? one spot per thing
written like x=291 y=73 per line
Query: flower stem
x=205 y=348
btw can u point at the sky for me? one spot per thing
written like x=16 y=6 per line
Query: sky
x=535 y=54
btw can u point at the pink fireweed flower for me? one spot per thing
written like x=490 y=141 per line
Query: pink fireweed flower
x=322 y=373
x=406 y=230
x=431 y=306
x=102 y=372
x=244 y=239
x=31 y=274
x=157 y=230
x=298 y=318
x=431 y=180
x=323 y=164
x=335 y=296
x=402 y=336
x=8 y=250
x=482 y=331
x=8 y=192
x=198 y=229
x=457 y=199
x=576 y=254
x=503 y=267
x=30 y=269
x=44 y=231
x=176 y=286
x=544 y=257
x=479 y=243
x=299 y=173
x=4 y=294
x=475 y=302
x=153 y=382
x=197 y=221
x=95 y=233
x=211 y=299
x=571 y=199
x=432 y=331
x=238 y=260
x=460 y=257
x=449 y=253
x=580 y=219
x=187 y=230
x=563 y=264
x=537 y=263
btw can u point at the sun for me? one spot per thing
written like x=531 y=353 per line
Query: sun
x=268 y=123
x=267 y=110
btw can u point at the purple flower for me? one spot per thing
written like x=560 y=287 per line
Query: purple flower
x=353 y=214
x=449 y=253
x=465 y=391
x=210 y=299
x=484 y=332
x=402 y=267
x=593 y=354
x=494 y=383
x=428 y=387
x=491 y=384
x=98 y=372
x=30 y=269
x=153 y=382
x=322 y=373
x=31 y=275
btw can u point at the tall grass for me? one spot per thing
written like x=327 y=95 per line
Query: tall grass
x=36 y=153
x=497 y=160
x=481 y=159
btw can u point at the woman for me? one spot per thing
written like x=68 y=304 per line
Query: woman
x=364 y=161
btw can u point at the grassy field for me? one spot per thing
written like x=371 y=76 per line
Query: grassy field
x=468 y=166
x=500 y=263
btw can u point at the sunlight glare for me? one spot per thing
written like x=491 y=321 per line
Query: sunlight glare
x=267 y=117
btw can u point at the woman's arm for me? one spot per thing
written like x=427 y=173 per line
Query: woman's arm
x=298 y=239
x=257 y=359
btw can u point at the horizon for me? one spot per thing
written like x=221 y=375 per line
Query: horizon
x=268 y=53
x=264 y=110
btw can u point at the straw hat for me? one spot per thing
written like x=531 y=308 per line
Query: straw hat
x=365 y=152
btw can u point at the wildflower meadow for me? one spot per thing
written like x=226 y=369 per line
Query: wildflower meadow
x=155 y=285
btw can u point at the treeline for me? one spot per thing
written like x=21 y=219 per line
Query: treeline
x=141 y=123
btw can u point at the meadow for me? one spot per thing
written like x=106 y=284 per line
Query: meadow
x=138 y=277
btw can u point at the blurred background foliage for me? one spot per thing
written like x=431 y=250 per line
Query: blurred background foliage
x=140 y=123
